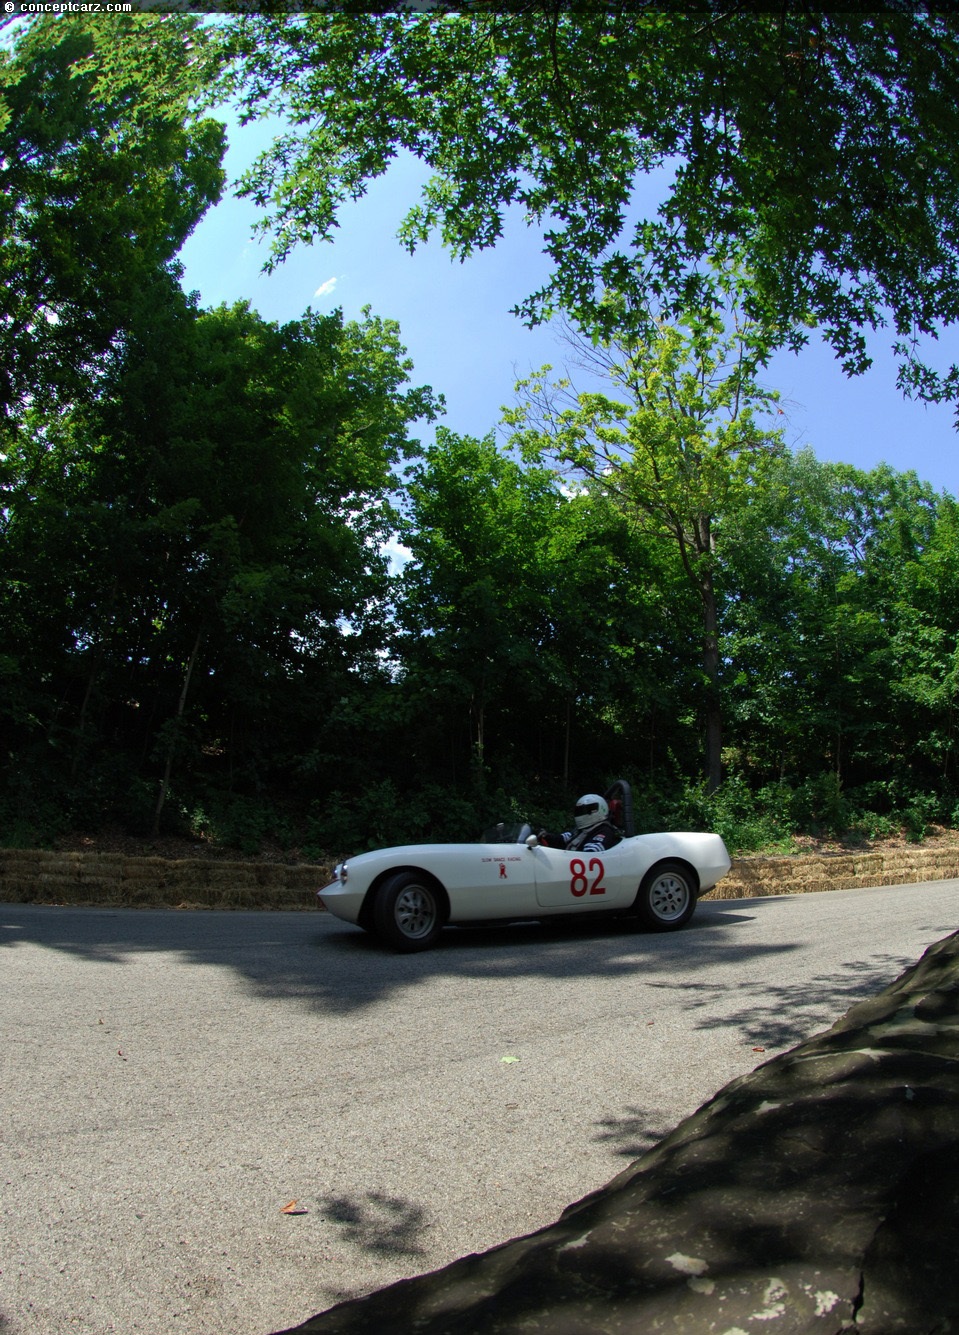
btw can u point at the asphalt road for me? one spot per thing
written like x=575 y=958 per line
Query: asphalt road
x=169 y=1081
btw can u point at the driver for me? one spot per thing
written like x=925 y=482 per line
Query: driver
x=594 y=832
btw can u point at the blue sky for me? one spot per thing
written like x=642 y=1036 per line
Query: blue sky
x=463 y=341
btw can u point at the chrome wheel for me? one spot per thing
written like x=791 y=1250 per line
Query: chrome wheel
x=409 y=911
x=668 y=896
x=415 y=911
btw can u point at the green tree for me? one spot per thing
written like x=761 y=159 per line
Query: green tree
x=198 y=549
x=840 y=628
x=97 y=196
x=816 y=149
x=680 y=446
x=473 y=594
x=530 y=623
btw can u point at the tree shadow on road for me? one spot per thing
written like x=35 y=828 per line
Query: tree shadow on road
x=315 y=962
x=635 y=1132
x=382 y=1225
x=779 y=1015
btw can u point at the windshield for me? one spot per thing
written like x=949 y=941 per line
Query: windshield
x=506 y=832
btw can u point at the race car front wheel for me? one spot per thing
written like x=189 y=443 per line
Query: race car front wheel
x=408 y=912
x=666 y=897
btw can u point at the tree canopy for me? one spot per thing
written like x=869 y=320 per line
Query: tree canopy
x=201 y=625
x=96 y=195
x=677 y=442
x=818 y=149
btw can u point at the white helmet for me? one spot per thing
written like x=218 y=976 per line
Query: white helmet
x=590 y=810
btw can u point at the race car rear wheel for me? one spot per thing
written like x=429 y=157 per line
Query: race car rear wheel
x=667 y=897
x=408 y=912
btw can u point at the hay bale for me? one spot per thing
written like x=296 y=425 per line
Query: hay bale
x=20 y=857
x=106 y=861
x=229 y=878
x=44 y=876
x=102 y=869
x=294 y=899
x=54 y=888
x=752 y=877
x=307 y=876
x=64 y=865
x=187 y=874
x=269 y=875
x=139 y=870
x=18 y=873
x=239 y=896
x=142 y=894
x=18 y=890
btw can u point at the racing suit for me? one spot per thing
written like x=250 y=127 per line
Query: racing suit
x=595 y=839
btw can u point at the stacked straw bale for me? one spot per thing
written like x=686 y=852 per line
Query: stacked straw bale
x=40 y=877
x=19 y=874
x=837 y=871
x=34 y=876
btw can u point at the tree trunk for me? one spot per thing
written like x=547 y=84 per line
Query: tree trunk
x=96 y=659
x=174 y=736
x=713 y=768
x=713 y=710
x=478 y=712
x=569 y=724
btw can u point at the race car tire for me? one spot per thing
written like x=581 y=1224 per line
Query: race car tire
x=667 y=897
x=408 y=912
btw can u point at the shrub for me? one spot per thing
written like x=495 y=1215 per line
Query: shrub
x=818 y=806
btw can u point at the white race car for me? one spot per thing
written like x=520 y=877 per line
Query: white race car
x=407 y=895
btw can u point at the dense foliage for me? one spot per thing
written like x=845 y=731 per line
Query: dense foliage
x=207 y=610
x=97 y=196
x=191 y=563
x=815 y=146
x=200 y=628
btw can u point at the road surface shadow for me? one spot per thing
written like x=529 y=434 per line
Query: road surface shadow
x=635 y=1132
x=317 y=962
x=779 y=1015
x=382 y=1225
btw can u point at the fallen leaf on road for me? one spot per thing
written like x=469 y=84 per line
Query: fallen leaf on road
x=759 y=1049
x=291 y=1207
x=509 y=1059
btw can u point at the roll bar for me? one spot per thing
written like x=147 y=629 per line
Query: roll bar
x=619 y=795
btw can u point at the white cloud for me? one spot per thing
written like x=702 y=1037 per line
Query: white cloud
x=326 y=288
x=398 y=554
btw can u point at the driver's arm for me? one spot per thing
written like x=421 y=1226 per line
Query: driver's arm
x=550 y=840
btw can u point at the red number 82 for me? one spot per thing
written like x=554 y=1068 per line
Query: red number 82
x=579 y=882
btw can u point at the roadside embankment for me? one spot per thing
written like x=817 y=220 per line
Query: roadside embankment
x=37 y=876
x=40 y=876
x=900 y=864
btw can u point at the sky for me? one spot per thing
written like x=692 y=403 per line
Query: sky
x=456 y=324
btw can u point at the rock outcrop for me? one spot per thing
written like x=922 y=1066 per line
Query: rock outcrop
x=820 y=1193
